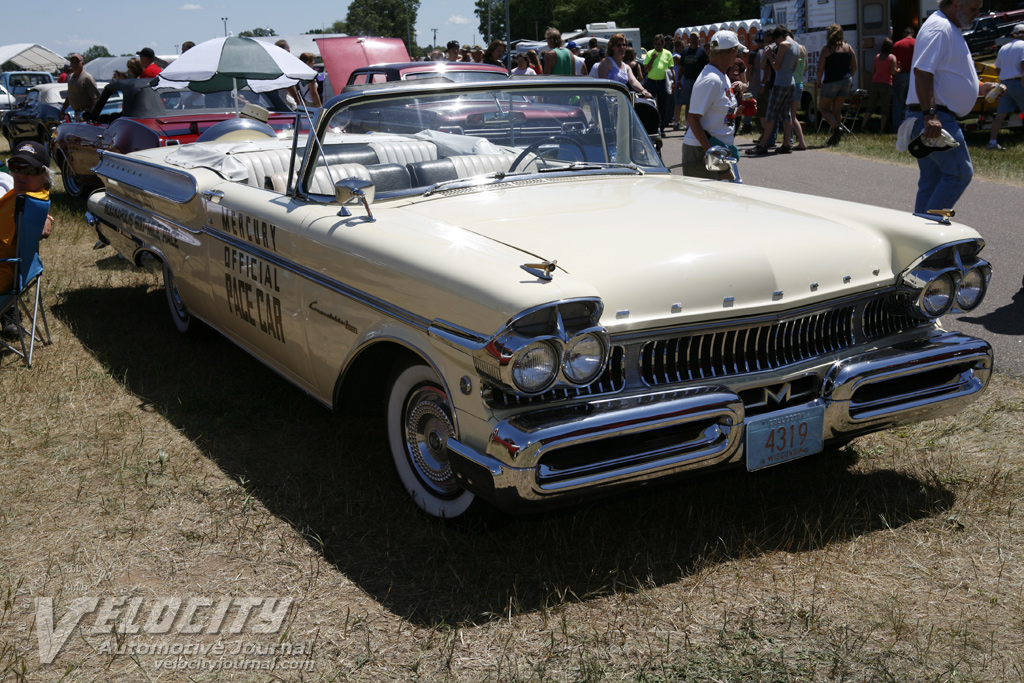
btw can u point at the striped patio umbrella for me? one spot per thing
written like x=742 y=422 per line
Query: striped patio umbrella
x=224 y=64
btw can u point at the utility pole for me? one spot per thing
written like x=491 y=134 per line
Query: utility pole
x=508 y=29
x=225 y=20
x=435 y=38
x=408 y=31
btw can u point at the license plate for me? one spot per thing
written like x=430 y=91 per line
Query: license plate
x=784 y=435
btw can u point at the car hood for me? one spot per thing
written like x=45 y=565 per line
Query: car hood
x=665 y=250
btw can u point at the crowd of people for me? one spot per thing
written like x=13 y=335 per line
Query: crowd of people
x=718 y=90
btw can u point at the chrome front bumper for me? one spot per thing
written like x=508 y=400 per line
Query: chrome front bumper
x=548 y=455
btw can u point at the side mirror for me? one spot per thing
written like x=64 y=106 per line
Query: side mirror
x=358 y=189
x=720 y=159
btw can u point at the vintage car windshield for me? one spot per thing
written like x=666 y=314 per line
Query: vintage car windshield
x=456 y=76
x=185 y=102
x=415 y=140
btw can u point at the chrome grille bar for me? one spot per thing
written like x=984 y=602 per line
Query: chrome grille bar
x=736 y=351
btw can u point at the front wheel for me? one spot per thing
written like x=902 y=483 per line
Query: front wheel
x=419 y=424
x=180 y=316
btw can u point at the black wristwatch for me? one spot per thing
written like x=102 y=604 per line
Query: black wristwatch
x=931 y=112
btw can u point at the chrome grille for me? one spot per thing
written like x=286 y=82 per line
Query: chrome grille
x=610 y=381
x=773 y=345
x=883 y=316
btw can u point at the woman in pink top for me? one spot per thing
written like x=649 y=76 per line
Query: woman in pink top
x=880 y=91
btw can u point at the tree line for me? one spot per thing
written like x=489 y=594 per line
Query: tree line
x=529 y=18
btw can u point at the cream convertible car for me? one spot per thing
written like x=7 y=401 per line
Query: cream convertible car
x=543 y=311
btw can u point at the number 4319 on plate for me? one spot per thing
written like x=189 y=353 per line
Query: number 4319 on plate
x=784 y=435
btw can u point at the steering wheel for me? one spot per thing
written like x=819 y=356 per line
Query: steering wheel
x=532 y=149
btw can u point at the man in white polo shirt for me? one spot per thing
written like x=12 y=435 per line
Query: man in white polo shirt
x=1008 y=68
x=943 y=86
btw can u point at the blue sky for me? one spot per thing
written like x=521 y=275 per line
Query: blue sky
x=124 y=27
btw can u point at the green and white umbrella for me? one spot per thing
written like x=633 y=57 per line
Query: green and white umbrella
x=225 y=64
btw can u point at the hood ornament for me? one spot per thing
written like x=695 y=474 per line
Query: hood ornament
x=540 y=270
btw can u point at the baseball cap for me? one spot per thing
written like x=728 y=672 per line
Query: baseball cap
x=476 y=48
x=726 y=40
x=453 y=45
x=1018 y=29
x=146 y=52
x=76 y=58
x=921 y=147
x=31 y=153
x=572 y=45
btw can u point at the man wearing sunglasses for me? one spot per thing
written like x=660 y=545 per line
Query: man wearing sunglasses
x=30 y=169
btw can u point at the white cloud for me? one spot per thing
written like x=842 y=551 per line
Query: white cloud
x=457 y=19
x=188 y=6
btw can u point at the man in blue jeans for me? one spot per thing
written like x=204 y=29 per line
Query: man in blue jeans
x=944 y=86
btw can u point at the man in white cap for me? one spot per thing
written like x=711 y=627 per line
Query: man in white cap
x=709 y=116
x=1009 y=64
x=944 y=86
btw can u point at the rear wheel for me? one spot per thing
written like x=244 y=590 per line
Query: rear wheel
x=72 y=183
x=180 y=316
x=419 y=423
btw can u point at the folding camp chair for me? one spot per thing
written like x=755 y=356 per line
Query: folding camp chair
x=852 y=108
x=851 y=111
x=22 y=303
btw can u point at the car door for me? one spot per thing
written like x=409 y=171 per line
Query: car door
x=255 y=279
x=23 y=120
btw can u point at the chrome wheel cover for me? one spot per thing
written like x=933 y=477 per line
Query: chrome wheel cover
x=427 y=430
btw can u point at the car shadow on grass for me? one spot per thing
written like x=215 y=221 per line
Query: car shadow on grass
x=1006 y=320
x=330 y=478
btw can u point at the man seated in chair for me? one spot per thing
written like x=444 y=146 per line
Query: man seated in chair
x=30 y=168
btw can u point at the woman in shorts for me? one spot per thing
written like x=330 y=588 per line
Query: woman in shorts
x=835 y=79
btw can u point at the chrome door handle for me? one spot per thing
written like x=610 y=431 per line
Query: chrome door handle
x=210 y=195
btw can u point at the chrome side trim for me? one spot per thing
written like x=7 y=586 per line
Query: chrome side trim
x=331 y=284
x=118 y=236
x=146 y=210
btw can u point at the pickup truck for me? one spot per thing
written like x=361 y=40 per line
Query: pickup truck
x=17 y=83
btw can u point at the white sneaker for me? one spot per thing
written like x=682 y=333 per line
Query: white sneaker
x=994 y=144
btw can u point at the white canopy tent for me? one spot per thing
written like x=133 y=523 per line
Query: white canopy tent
x=103 y=68
x=32 y=57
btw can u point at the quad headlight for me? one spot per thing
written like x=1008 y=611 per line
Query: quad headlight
x=972 y=289
x=535 y=367
x=937 y=296
x=949 y=278
x=584 y=357
x=561 y=343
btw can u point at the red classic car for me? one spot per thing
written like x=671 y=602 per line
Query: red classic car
x=458 y=72
x=186 y=115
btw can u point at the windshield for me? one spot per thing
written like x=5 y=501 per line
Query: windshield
x=457 y=76
x=181 y=102
x=419 y=141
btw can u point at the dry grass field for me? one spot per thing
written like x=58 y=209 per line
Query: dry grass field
x=142 y=471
